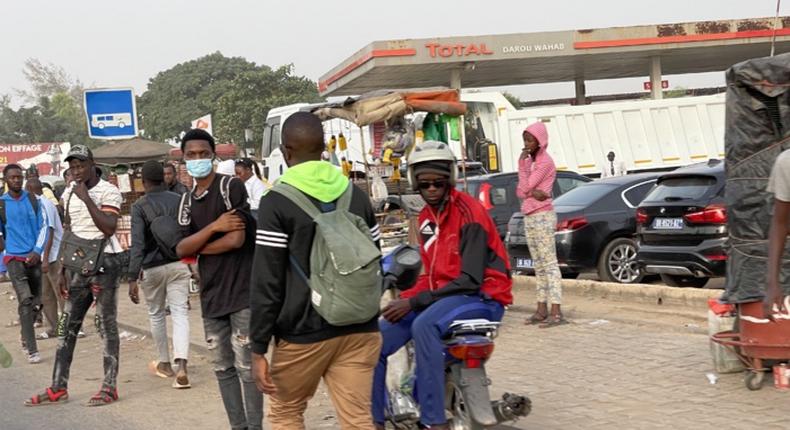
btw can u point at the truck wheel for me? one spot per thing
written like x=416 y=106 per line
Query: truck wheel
x=684 y=281
x=617 y=262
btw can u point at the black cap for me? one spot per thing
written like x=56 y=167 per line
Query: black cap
x=80 y=152
x=153 y=171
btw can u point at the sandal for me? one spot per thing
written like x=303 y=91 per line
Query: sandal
x=536 y=318
x=553 y=321
x=49 y=397
x=105 y=396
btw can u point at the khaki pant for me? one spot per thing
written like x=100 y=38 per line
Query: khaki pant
x=345 y=363
x=539 y=229
x=51 y=300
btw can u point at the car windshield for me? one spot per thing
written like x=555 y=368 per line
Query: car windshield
x=584 y=195
x=681 y=188
x=471 y=187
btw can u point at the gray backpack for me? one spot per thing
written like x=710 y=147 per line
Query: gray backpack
x=345 y=264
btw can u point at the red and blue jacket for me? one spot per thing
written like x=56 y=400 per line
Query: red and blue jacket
x=461 y=254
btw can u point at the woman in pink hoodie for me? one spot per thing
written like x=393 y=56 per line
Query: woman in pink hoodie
x=536 y=173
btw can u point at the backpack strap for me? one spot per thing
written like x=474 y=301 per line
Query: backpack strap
x=185 y=209
x=298 y=198
x=148 y=210
x=224 y=190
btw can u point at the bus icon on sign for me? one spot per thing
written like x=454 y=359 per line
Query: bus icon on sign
x=119 y=120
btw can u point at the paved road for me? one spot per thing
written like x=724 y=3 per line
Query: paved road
x=618 y=365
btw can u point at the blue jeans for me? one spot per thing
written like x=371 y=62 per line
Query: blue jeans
x=426 y=328
x=228 y=340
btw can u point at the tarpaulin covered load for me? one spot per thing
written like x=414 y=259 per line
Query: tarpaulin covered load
x=130 y=151
x=757 y=131
x=380 y=106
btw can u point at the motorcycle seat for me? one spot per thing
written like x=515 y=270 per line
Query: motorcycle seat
x=479 y=327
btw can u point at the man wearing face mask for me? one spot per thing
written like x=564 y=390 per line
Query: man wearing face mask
x=219 y=229
x=466 y=276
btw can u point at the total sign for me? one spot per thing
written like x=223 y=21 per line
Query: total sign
x=111 y=113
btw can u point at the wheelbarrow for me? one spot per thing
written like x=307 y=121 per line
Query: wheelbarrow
x=757 y=339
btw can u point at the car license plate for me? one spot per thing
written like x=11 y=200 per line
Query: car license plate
x=524 y=263
x=668 y=224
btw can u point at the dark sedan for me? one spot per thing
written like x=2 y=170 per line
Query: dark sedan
x=596 y=224
x=497 y=193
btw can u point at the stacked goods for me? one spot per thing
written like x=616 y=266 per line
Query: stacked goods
x=757 y=131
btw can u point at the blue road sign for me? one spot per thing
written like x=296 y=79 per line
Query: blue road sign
x=111 y=113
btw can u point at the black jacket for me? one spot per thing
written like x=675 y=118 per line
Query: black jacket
x=144 y=253
x=178 y=188
x=279 y=299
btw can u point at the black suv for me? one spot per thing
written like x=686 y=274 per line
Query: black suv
x=497 y=193
x=683 y=226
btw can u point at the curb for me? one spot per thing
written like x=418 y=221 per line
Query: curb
x=639 y=293
x=692 y=298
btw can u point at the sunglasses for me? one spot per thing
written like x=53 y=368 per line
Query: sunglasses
x=438 y=184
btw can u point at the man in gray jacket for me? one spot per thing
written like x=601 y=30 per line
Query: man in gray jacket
x=163 y=277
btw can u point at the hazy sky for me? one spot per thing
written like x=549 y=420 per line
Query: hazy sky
x=126 y=43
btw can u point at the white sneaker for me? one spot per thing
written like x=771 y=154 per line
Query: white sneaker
x=34 y=358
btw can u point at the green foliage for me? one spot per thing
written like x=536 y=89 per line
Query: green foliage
x=53 y=112
x=253 y=93
x=514 y=100
x=677 y=92
x=238 y=93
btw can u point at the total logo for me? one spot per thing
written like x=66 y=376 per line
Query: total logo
x=458 y=50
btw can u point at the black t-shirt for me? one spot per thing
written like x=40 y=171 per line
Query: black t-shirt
x=224 y=278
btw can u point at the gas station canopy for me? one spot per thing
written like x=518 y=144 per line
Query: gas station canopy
x=560 y=56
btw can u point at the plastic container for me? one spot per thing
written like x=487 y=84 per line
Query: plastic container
x=781 y=377
x=378 y=188
x=725 y=360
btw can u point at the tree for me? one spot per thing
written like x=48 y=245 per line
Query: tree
x=514 y=100
x=53 y=110
x=238 y=93
x=251 y=95
x=46 y=80
x=677 y=92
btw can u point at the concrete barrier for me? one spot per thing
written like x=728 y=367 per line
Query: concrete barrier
x=634 y=293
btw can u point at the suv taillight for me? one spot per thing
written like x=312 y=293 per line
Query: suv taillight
x=709 y=215
x=641 y=216
x=572 y=224
x=485 y=196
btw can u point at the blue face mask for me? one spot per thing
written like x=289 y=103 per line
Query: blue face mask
x=199 y=168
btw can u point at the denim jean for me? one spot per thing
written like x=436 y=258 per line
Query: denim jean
x=83 y=291
x=168 y=285
x=426 y=328
x=228 y=339
x=27 y=285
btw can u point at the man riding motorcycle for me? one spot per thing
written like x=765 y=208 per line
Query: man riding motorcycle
x=466 y=276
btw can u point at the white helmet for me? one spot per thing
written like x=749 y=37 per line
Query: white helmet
x=431 y=150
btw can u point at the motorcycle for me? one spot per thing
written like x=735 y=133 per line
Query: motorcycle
x=468 y=345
